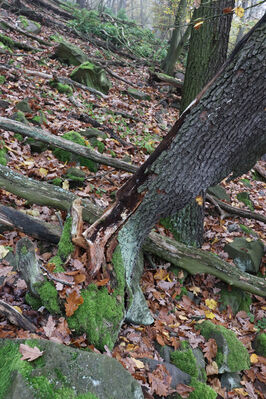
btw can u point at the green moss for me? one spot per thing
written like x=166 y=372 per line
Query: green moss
x=236 y=299
x=202 y=391
x=2 y=79
x=101 y=313
x=260 y=344
x=65 y=246
x=66 y=156
x=98 y=144
x=44 y=388
x=57 y=181
x=49 y=297
x=10 y=361
x=39 y=119
x=61 y=88
x=24 y=21
x=20 y=117
x=35 y=303
x=6 y=40
x=185 y=361
x=237 y=358
x=183 y=291
x=3 y=156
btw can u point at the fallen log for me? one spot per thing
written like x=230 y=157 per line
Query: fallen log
x=48 y=138
x=193 y=260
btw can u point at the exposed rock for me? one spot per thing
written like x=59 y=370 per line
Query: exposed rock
x=24 y=106
x=178 y=376
x=235 y=298
x=260 y=344
x=4 y=104
x=29 y=26
x=230 y=381
x=92 y=76
x=247 y=255
x=63 y=372
x=140 y=95
x=231 y=356
x=69 y=54
x=219 y=192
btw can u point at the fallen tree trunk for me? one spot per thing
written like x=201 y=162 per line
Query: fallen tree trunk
x=46 y=137
x=190 y=259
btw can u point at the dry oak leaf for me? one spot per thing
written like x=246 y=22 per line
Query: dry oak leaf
x=74 y=300
x=212 y=369
x=210 y=349
x=184 y=390
x=29 y=353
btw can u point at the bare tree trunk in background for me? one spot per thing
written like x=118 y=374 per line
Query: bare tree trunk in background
x=207 y=53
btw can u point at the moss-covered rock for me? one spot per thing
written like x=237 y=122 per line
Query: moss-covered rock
x=185 y=361
x=6 y=41
x=49 y=297
x=102 y=313
x=246 y=254
x=138 y=94
x=3 y=154
x=65 y=246
x=29 y=26
x=62 y=373
x=69 y=54
x=202 y=391
x=39 y=119
x=20 y=117
x=61 y=88
x=2 y=79
x=231 y=356
x=235 y=298
x=66 y=156
x=260 y=344
x=24 y=106
x=92 y=76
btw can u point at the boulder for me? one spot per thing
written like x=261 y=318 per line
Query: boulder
x=235 y=298
x=247 y=254
x=29 y=26
x=92 y=76
x=140 y=95
x=69 y=54
x=231 y=356
x=219 y=192
x=62 y=372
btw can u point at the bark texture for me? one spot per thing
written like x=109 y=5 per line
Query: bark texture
x=221 y=133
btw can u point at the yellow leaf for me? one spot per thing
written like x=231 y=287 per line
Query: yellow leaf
x=199 y=199
x=211 y=303
x=3 y=251
x=28 y=163
x=138 y=363
x=65 y=185
x=43 y=172
x=254 y=358
x=182 y=317
x=263 y=307
x=239 y=11
x=198 y=25
x=18 y=309
x=209 y=315
x=241 y=391
x=195 y=290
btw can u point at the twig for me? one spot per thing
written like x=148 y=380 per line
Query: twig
x=58 y=280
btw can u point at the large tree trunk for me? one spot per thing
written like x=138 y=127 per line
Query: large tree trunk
x=168 y=64
x=220 y=133
x=207 y=53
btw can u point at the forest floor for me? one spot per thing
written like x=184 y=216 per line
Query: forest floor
x=174 y=319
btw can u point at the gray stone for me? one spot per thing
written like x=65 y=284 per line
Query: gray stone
x=63 y=367
x=230 y=381
x=4 y=104
x=69 y=54
x=178 y=376
x=92 y=76
x=92 y=132
x=24 y=106
x=235 y=298
x=201 y=365
x=233 y=227
x=29 y=26
x=219 y=192
x=247 y=255
x=140 y=95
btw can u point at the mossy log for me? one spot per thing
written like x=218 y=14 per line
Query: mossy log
x=46 y=137
x=193 y=260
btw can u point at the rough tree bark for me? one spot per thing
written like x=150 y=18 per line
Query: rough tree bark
x=221 y=133
x=207 y=53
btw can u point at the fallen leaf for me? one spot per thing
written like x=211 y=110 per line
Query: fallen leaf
x=239 y=11
x=3 y=251
x=73 y=301
x=139 y=364
x=212 y=369
x=198 y=25
x=210 y=349
x=199 y=199
x=50 y=326
x=211 y=303
x=184 y=390
x=254 y=358
x=29 y=353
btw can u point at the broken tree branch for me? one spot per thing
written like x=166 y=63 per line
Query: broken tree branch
x=46 y=137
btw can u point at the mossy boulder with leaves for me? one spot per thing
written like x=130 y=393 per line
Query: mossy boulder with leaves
x=92 y=76
x=69 y=54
